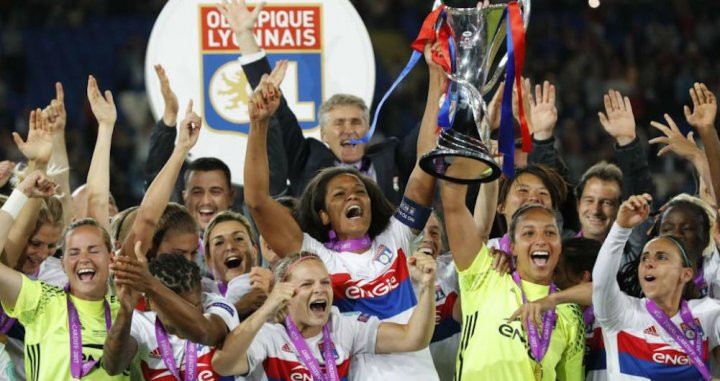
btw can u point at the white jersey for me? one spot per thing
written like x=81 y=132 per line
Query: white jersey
x=377 y=283
x=637 y=347
x=151 y=362
x=351 y=335
x=446 y=338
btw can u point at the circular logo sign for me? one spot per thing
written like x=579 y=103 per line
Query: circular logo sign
x=325 y=42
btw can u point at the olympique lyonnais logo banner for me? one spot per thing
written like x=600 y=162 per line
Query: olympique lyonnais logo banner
x=325 y=42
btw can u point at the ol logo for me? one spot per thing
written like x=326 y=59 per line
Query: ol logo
x=291 y=33
x=383 y=255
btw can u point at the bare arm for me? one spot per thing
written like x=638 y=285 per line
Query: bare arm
x=232 y=359
x=464 y=241
x=417 y=333
x=485 y=208
x=57 y=116
x=702 y=118
x=34 y=185
x=98 y=180
x=158 y=194
x=421 y=186
x=120 y=347
x=274 y=221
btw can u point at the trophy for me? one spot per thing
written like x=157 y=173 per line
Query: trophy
x=479 y=35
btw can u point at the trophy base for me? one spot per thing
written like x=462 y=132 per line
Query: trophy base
x=460 y=159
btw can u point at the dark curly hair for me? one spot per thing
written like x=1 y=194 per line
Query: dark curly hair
x=313 y=201
x=175 y=272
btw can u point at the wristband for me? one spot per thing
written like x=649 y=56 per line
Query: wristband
x=412 y=214
x=15 y=203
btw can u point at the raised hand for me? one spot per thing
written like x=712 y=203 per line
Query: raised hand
x=264 y=100
x=238 y=16
x=675 y=141
x=634 y=210
x=543 y=112
x=127 y=295
x=495 y=107
x=278 y=73
x=279 y=299
x=55 y=112
x=37 y=185
x=38 y=146
x=133 y=272
x=422 y=269
x=704 y=107
x=171 y=102
x=103 y=107
x=619 y=121
x=189 y=129
x=6 y=171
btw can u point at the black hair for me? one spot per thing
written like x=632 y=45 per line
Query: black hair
x=579 y=254
x=175 y=218
x=528 y=207
x=175 y=272
x=701 y=217
x=207 y=164
x=552 y=180
x=313 y=201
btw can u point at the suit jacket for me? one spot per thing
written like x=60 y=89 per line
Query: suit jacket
x=393 y=159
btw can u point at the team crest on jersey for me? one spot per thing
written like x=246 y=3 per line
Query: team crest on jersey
x=321 y=347
x=288 y=32
x=384 y=255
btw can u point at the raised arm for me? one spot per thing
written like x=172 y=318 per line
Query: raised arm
x=619 y=122
x=98 y=179
x=120 y=347
x=57 y=119
x=162 y=137
x=421 y=186
x=486 y=208
x=418 y=331
x=274 y=221
x=35 y=185
x=232 y=359
x=37 y=149
x=702 y=118
x=158 y=194
x=173 y=310
x=544 y=116
x=606 y=294
x=683 y=147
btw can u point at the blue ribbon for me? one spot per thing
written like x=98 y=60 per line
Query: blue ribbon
x=506 y=143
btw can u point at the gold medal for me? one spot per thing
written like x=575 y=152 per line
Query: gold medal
x=538 y=370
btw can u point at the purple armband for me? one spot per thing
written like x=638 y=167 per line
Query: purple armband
x=412 y=214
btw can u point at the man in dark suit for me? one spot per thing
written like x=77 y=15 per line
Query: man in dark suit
x=342 y=117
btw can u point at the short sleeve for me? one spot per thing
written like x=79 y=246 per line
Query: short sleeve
x=480 y=265
x=225 y=310
x=257 y=352
x=362 y=331
x=237 y=288
x=141 y=327
x=31 y=300
x=314 y=246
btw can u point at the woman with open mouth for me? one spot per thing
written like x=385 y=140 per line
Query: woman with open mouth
x=491 y=346
x=346 y=220
x=64 y=327
x=662 y=335
x=323 y=342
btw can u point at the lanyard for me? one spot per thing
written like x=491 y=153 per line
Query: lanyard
x=168 y=357
x=693 y=332
x=538 y=344
x=589 y=316
x=362 y=243
x=306 y=356
x=78 y=367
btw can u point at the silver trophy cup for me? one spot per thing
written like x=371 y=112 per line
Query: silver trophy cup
x=479 y=36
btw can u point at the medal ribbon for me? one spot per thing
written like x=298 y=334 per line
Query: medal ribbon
x=538 y=344
x=694 y=350
x=589 y=316
x=168 y=357
x=362 y=243
x=78 y=367
x=515 y=40
x=429 y=33
x=306 y=356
